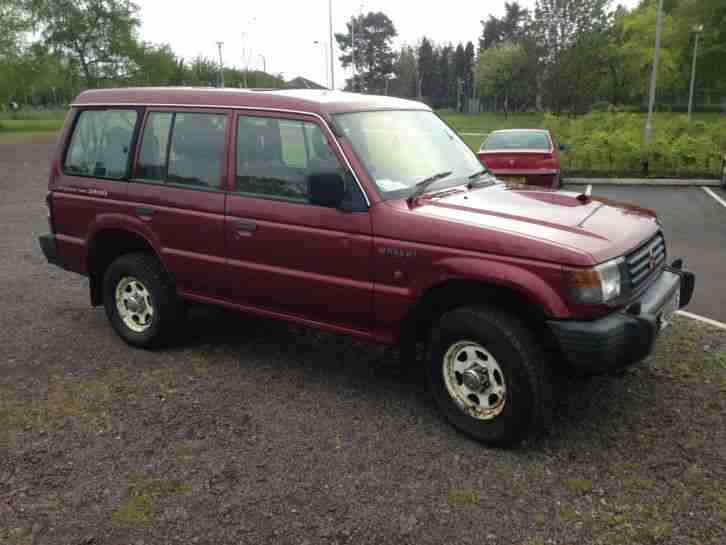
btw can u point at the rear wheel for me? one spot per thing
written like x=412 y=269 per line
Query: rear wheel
x=723 y=174
x=140 y=300
x=488 y=375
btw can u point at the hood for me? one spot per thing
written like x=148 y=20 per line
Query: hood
x=576 y=231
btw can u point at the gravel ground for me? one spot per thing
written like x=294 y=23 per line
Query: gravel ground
x=253 y=431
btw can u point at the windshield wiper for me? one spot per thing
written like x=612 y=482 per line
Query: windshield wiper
x=421 y=187
x=472 y=179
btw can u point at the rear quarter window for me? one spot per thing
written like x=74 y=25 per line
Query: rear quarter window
x=101 y=144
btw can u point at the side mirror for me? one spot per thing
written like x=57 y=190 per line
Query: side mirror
x=564 y=147
x=326 y=189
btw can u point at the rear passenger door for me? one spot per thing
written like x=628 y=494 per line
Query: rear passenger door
x=285 y=254
x=178 y=193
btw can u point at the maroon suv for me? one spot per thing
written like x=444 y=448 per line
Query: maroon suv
x=362 y=215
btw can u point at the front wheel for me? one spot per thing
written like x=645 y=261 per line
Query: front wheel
x=141 y=302
x=488 y=375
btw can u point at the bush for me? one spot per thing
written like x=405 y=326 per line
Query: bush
x=602 y=106
x=611 y=142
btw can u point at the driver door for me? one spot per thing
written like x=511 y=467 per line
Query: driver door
x=283 y=253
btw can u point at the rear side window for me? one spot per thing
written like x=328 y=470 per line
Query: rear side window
x=154 y=146
x=101 y=143
x=276 y=156
x=183 y=148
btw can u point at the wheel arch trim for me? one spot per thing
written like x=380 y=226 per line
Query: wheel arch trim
x=122 y=224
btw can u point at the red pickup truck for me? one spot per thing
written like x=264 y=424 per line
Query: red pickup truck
x=361 y=215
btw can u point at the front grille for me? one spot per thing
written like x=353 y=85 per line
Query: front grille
x=645 y=260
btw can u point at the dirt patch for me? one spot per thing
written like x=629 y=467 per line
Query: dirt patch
x=253 y=431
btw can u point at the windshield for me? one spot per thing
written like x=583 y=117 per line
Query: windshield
x=401 y=148
x=517 y=140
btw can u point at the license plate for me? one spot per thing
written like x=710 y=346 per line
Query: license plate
x=669 y=309
x=514 y=179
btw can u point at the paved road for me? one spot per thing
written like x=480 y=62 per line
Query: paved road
x=695 y=227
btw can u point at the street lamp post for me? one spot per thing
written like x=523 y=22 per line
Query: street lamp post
x=264 y=63
x=352 y=43
x=330 y=23
x=653 y=80
x=697 y=29
x=246 y=50
x=221 y=65
x=325 y=64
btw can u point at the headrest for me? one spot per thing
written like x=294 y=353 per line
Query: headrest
x=195 y=136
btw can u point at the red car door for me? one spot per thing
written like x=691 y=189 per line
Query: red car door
x=177 y=194
x=285 y=254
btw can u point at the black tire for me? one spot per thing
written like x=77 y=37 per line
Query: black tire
x=167 y=307
x=526 y=411
x=723 y=174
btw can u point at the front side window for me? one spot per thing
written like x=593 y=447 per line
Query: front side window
x=101 y=143
x=183 y=148
x=275 y=157
x=401 y=148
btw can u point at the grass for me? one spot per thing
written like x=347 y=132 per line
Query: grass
x=31 y=121
x=579 y=486
x=136 y=510
x=30 y=125
x=487 y=122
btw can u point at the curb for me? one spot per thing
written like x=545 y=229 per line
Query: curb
x=702 y=319
x=647 y=182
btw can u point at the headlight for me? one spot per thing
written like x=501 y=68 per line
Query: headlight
x=595 y=285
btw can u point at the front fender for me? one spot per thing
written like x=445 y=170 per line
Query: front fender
x=534 y=281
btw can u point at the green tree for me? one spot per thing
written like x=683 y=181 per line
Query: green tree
x=499 y=75
x=637 y=48
x=571 y=38
x=509 y=28
x=426 y=67
x=154 y=65
x=712 y=43
x=14 y=21
x=616 y=86
x=468 y=75
x=372 y=51
x=203 y=72
x=405 y=72
x=99 y=34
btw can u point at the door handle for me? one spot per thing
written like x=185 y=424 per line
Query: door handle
x=144 y=212
x=244 y=227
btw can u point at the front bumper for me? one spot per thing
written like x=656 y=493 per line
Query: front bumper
x=626 y=337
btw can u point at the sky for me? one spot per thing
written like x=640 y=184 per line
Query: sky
x=284 y=31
